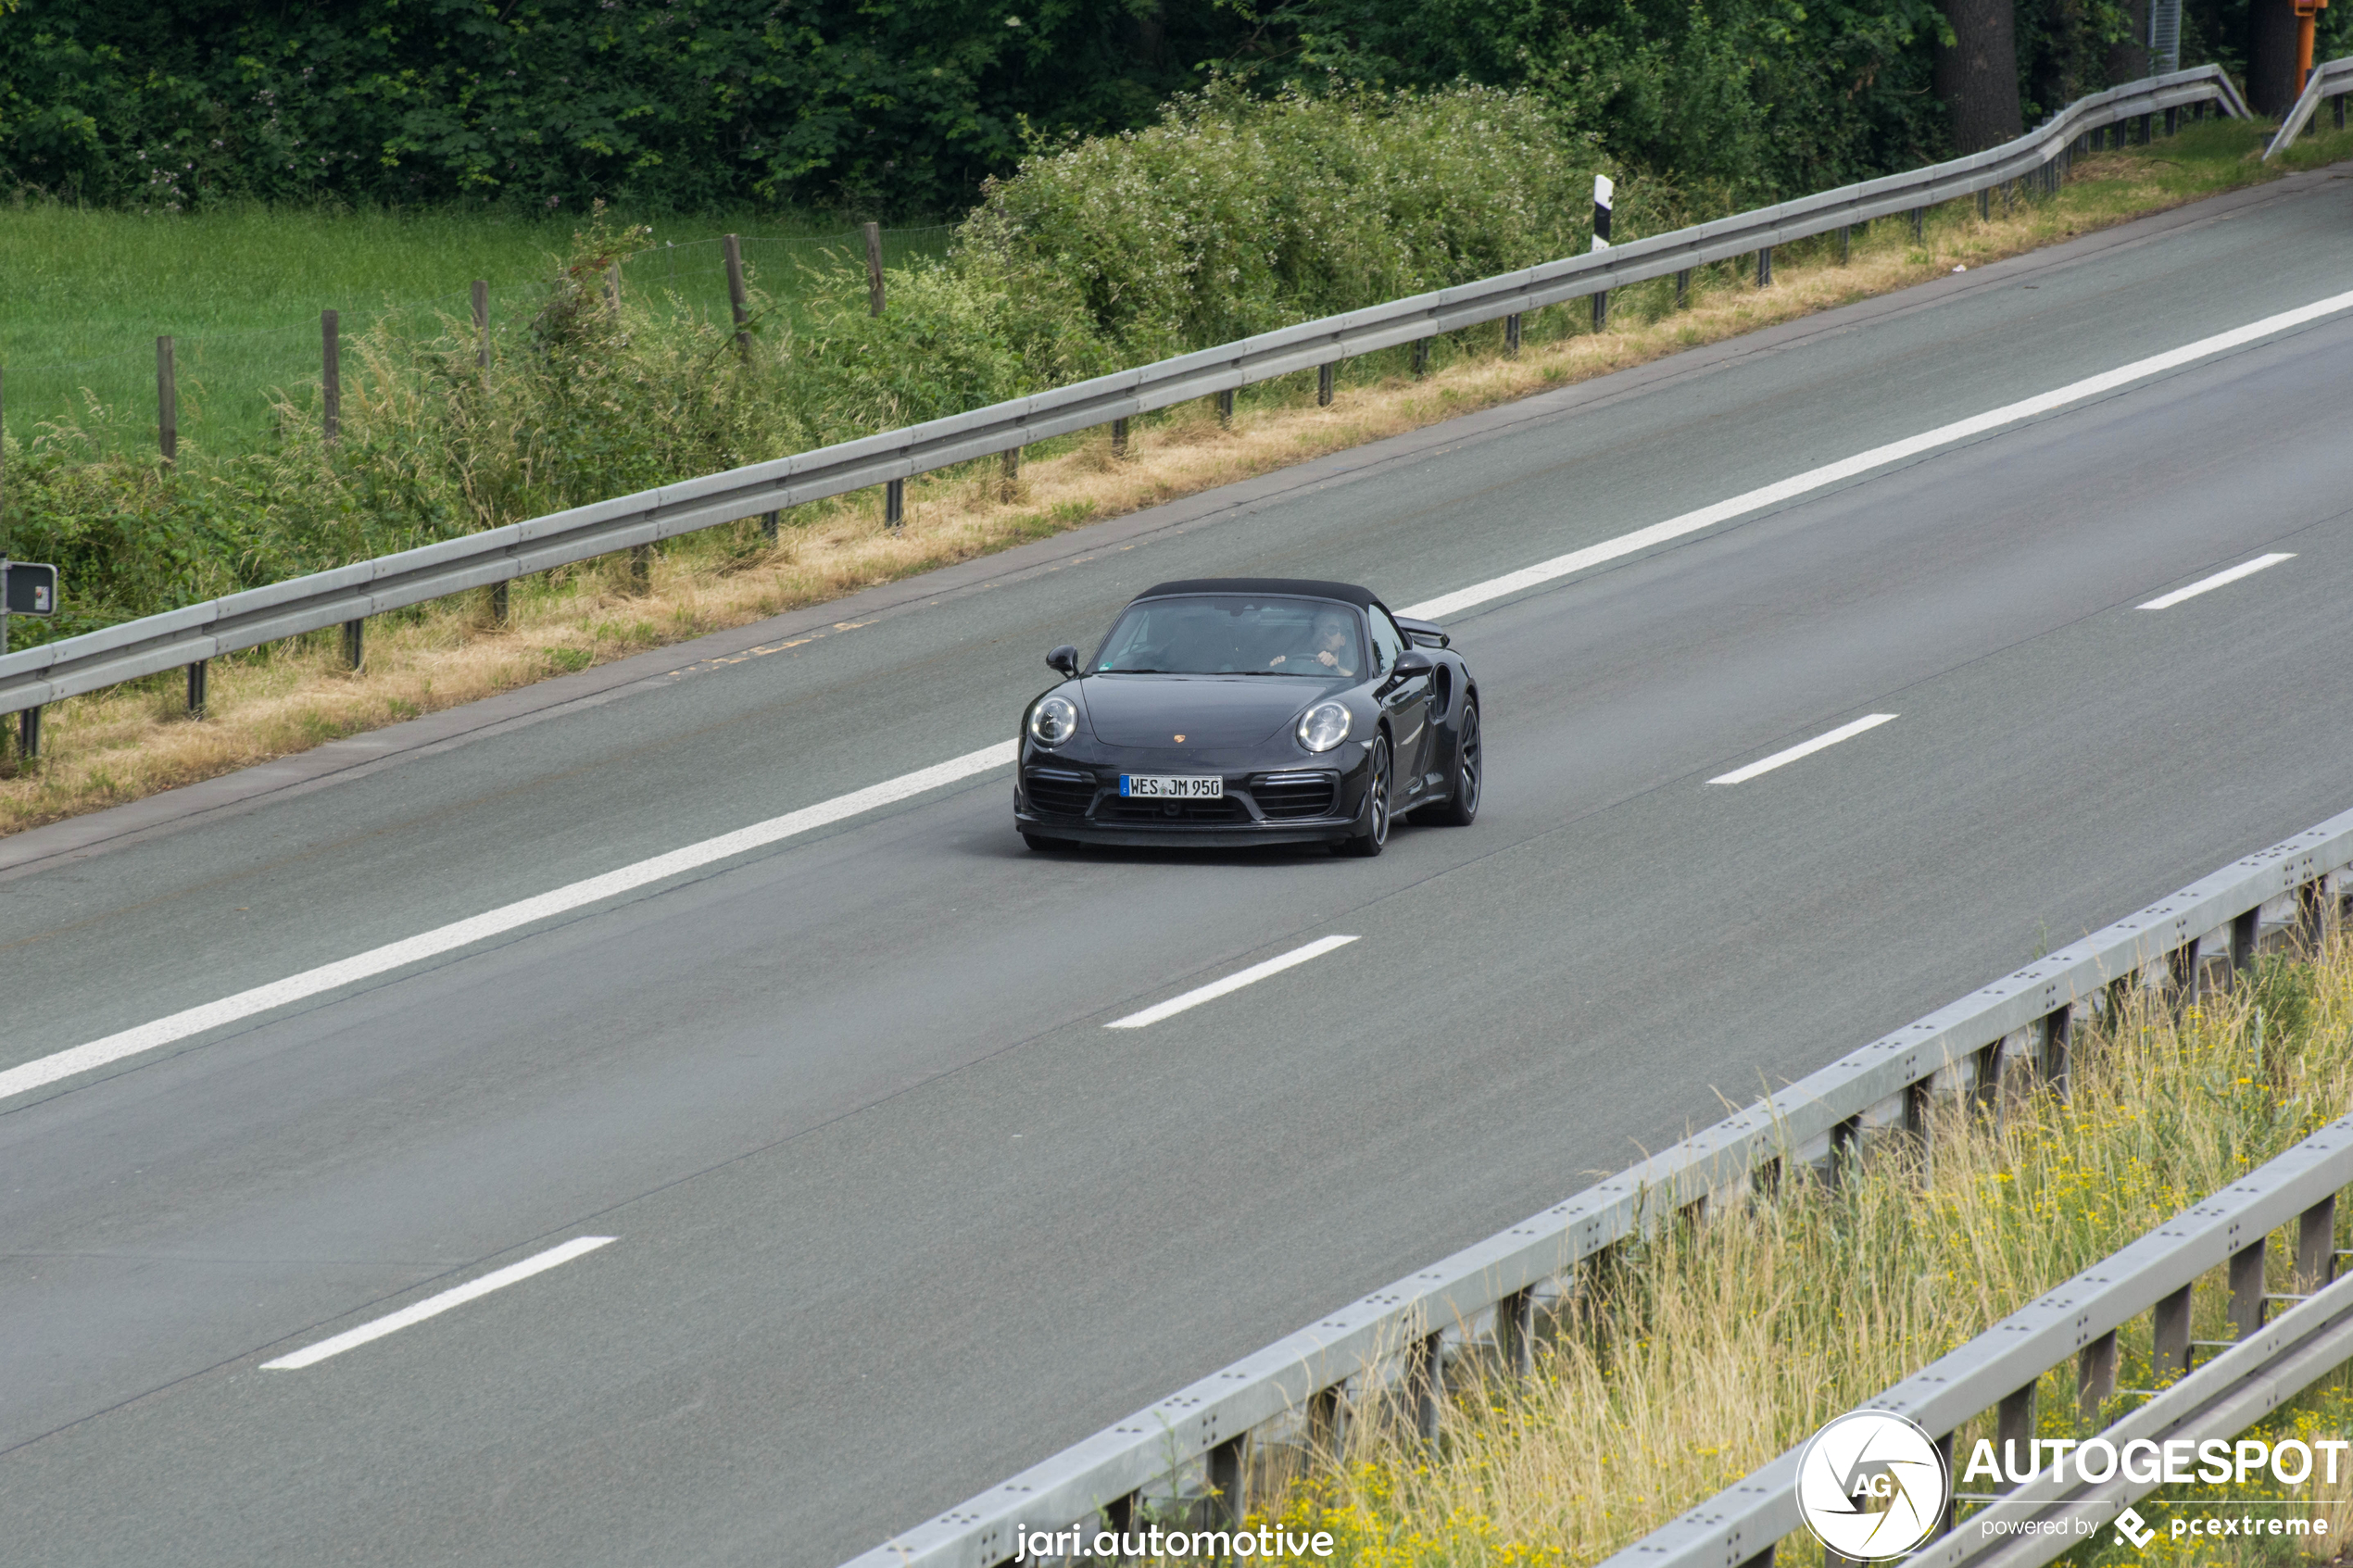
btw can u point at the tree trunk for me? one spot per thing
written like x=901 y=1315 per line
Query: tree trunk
x=2270 y=56
x=1978 y=77
x=2128 y=61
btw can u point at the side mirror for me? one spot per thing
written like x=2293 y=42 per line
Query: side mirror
x=1412 y=663
x=1065 y=659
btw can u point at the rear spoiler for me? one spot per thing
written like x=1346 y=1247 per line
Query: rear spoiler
x=1427 y=632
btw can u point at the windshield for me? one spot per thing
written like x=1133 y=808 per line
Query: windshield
x=1233 y=634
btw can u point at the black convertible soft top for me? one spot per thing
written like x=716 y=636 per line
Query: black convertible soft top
x=1347 y=592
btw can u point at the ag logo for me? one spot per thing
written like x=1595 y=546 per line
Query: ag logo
x=1871 y=1484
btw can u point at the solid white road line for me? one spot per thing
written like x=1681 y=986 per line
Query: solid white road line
x=1781 y=759
x=1233 y=982
x=2206 y=585
x=434 y=1305
x=1863 y=462
x=448 y=938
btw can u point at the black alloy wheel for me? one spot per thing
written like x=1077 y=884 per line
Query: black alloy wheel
x=1470 y=774
x=1375 y=838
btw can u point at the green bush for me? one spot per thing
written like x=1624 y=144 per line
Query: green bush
x=1235 y=215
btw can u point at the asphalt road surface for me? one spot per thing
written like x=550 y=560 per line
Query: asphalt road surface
x=893 y=1213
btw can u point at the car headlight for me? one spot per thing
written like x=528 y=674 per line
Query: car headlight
x=1053 y=720
x=1323 y=726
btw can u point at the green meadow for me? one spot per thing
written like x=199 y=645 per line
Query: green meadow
x=85 y=294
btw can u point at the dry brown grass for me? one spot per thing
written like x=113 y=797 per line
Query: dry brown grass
x=1703 y=1355
x=120 y=745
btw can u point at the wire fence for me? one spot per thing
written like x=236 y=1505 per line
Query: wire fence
x=226 y=378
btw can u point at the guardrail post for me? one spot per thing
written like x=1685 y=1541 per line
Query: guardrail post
x=641 y=568
x=196 y=689
x=2096 y=1376
x=1845 y=237
x=1229 y=1473
x=2058 y=1041
x=895 y=504
x=873 y=270
x=1225 y=398
x=2245 y=929
x=1601 y=310
x=2311 y=913
x=1515 y=1332
x=1119 y=439
x=769 y=523
x=2340 y=111
x=354 y=643
x=482 y=322
x=2173 y=123
x=1119 y=1516
x=167 y=403
x=498 y=603
x=2147 y=121
x=2316 y=1246
x=1323 y=385
x=1762 y=1559
x=1324 y=1414
x=1009 y=473
x=1985 y=201
x=330 y=376
x=2014 y=1432
x=2246 y=1292
x=28 y=734
x=1917 y=216
x=734 y=251
x=1952 y=1504
x=1682 y=288
x=1430 y=1383
x=1421 y=368
x=1511 y=334
x=1765 y=267
x=2169 y=1338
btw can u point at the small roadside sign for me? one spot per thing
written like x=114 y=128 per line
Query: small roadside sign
x=28 y=588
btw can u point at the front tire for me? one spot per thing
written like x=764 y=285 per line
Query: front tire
x=1375 y=838
x=1470 y=774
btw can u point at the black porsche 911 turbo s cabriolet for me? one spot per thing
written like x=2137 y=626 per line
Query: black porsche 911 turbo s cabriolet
x=1250 y=710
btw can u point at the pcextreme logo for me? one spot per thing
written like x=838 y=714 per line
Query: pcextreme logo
x=1871 y=1485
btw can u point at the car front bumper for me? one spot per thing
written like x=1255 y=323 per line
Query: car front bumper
x=1058 y=794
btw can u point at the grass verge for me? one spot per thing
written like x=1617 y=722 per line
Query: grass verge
x=1685 y=1364
x=131 y=741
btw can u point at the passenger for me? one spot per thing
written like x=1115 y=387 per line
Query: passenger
x=1332 y=643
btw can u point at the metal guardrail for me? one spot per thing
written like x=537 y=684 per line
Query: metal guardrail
x=2079 y=1320
x=2332 y=80
x=2028 y=1017
x=346 y=595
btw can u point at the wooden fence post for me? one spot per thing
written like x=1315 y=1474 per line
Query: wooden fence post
x=330 y=376
x=167 y=402
x=613 y=286
x=873 y=268
x=734 y=250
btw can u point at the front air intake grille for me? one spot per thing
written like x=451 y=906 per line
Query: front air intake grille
x=1115 y=809
x=1284 y=795
x=1060 y=792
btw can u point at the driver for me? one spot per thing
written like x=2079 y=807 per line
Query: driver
x=1331 y=643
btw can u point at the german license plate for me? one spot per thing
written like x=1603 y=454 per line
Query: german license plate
x=1171 y=786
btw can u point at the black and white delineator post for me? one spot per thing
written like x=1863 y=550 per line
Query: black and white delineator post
x=1602 y=193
